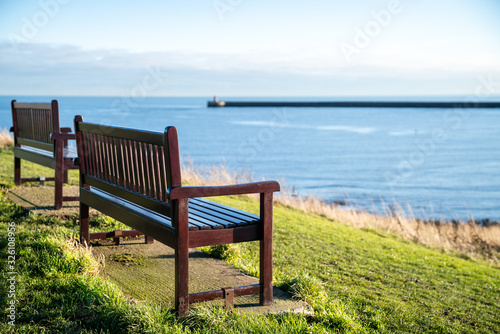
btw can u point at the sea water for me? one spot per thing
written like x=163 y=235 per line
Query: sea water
x=443 y=163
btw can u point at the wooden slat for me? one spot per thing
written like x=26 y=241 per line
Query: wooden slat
x=199 y=297
x=231 y=221
x=114 y=162
x=110 y=160
x=163 y=175
x=133 y=169
x=152 y=171
x=213 y=218
x=105 y=159
x=147 y=169
x=126 y=166
x=111 y=234
x=148 y=137
x=36 y=157
x=224 y=236
x=85 y=146
x=85 y=162
x=120 y=163
x=139 y=167
x=34 y=143
x=160 y=207
x=145 y=222
x=205 y=224
x=89 y=158
x=156 y=168
x=99 y=156
x=240 y=214
x=24 y=105
x=92 y=152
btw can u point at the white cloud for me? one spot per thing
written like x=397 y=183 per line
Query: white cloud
x=41 y=69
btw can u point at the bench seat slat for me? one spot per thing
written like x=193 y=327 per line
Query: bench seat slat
x=240 y=214
x=223 y=214
x=133 y=207
x=197 y=220
x=36 y=144
x=222 y=219
x=42 y=157
x=135 y=216
x=213 y=218
x=206 y=223
x=70 y=153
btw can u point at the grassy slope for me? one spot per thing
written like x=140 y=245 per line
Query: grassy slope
x=357 y=280
x=383 y=281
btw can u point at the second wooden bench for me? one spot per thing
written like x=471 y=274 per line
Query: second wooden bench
x=135 y=177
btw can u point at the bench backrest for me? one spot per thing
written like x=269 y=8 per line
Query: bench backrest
x=139 y=166
x=33 y=123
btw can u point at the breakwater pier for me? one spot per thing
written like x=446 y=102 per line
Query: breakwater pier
x=352 y=104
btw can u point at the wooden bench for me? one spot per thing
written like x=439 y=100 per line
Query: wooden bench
x=39 y=139
x=135 y=177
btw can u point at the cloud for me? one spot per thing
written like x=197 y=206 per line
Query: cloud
x=41 y=69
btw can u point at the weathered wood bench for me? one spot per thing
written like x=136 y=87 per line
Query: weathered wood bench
x=135 y=177
x=39 y=138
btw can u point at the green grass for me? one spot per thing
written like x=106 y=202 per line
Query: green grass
x=357 y=280
x=382 y=282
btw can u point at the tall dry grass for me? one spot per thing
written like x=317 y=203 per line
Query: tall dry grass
x=467 y=238
x=6 y=138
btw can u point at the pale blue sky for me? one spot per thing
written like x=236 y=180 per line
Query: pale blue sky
x=248 y=47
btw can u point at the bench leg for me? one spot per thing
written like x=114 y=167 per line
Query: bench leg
x=182 y=258
x=84 y=224
x=59 y=187
x=17 y=171
x=266 y=249
x=181 y=280
x=148 y=239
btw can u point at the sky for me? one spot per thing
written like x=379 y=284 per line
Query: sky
x=249 y=47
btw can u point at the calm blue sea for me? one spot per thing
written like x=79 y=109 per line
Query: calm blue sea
x=444 y=163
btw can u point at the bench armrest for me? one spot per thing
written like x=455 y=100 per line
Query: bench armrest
x=236 y=189
x=62 y=136
x=65 y=130
x=11 y=129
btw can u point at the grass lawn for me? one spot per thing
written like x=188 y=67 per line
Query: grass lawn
x=357 y=280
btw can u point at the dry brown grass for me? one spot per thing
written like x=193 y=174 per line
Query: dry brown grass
x=6 y=138
x=469 y=238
